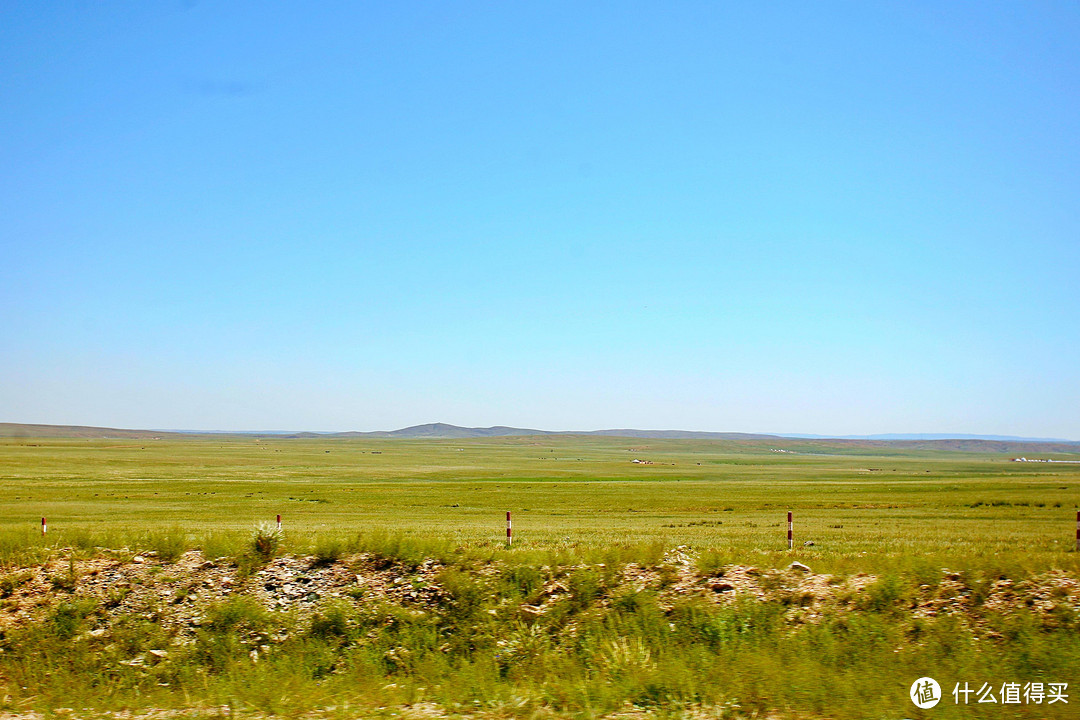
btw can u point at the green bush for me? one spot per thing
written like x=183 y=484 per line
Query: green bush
x=585 y=586
x=411 y=552
x=266 y=540
x=230 y=632
x=222 y=545
x=11 y=581
x=328 y=551
x=885 y=594
x=169 y=544
x=66 y=581
x=238 y=613
x=520 y=581
x=68 y=618
x=331 y=623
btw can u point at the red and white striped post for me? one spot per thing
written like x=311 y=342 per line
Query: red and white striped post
x=509 y=531
x=790 y=535
x=44 y=526
x=279 y=523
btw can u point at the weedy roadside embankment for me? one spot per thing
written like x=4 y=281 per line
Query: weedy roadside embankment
x=402 y=629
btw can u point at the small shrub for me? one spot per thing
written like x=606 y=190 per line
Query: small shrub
x=980 y=584
x=522 y=645
x=584 y=587
x=667 y=575
x=116 y=595
x=265 y=540
x=521 y=580
x=884 y=594
x=925 y=572
x=465 y=594
x=67 y=619
x=66 y=581
x=635 y=601
x=462 y=618
x=711 y=563
x=237 y=613
x=331 y=623
x=247 y=564
x=328 y=551
x=231 y=631
x=397 y=548
x=168 y=544
x=221 y=545
x=10 y=582
x=133 y=634
x=81 y=540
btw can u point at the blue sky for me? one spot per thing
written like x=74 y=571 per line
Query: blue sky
x=830 y=218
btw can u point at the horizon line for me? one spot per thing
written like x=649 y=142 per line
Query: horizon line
x=526 y=431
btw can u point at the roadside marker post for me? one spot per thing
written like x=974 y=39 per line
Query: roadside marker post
x=790 y=534
x=509 y=531
x=44 y=527
x=1078 y=531
x=279 y=523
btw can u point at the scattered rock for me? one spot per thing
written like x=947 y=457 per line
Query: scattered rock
x=292 y=585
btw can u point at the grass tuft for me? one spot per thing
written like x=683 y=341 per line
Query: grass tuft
x=266 y=540
x=168 y=544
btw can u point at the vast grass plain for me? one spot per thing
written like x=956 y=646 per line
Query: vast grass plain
x=918 y=522
x=848 y=498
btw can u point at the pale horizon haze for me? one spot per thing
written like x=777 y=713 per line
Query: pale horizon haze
x=836 y=218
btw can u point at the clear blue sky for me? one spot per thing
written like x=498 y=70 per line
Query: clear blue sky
x=830 y=218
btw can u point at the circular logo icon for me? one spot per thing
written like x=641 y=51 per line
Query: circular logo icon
x=925 y=692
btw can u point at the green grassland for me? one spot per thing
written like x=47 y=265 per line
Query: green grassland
x=931 y=528
x=563 y=491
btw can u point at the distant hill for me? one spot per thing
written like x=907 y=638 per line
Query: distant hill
x=795 y=443
x=79 y=431
x=442 y=430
